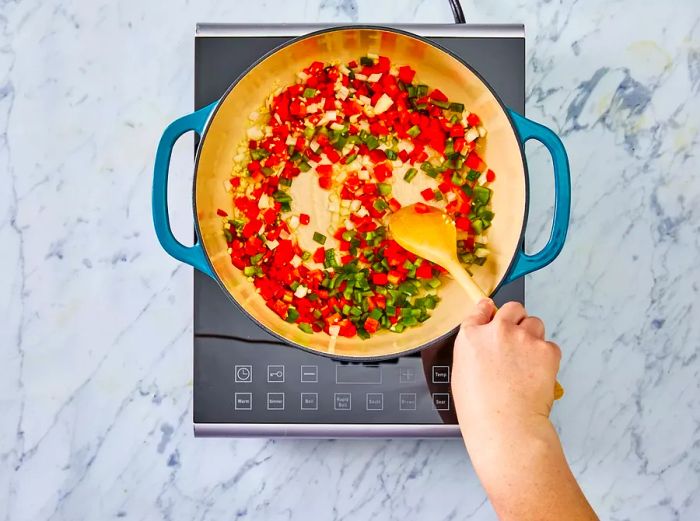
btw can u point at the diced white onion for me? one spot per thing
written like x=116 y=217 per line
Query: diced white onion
x=482 y=131
x=363 y=175
x=291 y=140
x=361 y=77
x=481 y=252
x=450 y=196
x=295 y=262
x=372 y=55
x=383 y=104
x=271 y=245
x=254 y=133
x=294 y=222
x=374 y=78
x=355 y=205
x=349 y=225
x=264 y=201
x=337 y=126
x=362 y=212
x=301 y=291
x=334 y=330
x=314 y=145
x=364 y=100
x=471 y=135
x=406 y=145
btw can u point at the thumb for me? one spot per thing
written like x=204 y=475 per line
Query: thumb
x=481 y=314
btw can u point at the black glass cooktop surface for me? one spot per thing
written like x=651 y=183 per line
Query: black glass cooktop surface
x=248 y=383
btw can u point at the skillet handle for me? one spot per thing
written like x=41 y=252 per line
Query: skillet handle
x=524 y=263
x=193 y=255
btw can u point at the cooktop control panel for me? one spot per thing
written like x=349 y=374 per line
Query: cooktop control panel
x=273 y=383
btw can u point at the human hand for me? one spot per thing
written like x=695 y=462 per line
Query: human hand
x=504 y=370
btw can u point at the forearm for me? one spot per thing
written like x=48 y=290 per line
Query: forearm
x=525 y=473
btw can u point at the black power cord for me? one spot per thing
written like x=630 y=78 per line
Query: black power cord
x=457 y=12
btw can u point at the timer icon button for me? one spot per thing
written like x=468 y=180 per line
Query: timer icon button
x=243 y=374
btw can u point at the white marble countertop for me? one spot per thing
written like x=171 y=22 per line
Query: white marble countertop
x=95 y=319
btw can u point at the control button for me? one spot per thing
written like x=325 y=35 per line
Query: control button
x=441 y=374
x=243 y=401
x=407 y=375
x=275 y=374
x=342 y=401
x=275 y=401
x=375 y=401
x=407 y=401
x=309 y=374
x=309 y=401
x=243 y=374
x=441 y=401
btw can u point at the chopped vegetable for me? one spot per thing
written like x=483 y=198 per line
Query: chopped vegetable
x=354 y=128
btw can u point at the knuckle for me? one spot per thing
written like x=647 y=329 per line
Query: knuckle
x=554 y=348
x=537 y=321
x=513 y=307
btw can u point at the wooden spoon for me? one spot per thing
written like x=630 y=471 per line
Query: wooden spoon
x=431 y=234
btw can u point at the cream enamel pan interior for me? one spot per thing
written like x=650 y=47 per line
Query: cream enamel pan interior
x=227 y=127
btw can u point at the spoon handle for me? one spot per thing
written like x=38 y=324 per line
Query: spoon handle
x=473 y=290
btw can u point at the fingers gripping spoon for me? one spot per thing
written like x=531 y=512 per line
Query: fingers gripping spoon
x=430 y=233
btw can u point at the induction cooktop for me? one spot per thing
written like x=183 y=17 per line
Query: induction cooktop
x=248 y=383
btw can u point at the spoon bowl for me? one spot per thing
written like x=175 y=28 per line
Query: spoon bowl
x=430 y=233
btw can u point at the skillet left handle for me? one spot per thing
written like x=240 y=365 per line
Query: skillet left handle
x=525 y=263
x=193 y=255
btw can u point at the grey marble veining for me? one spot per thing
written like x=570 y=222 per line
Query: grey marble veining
x=95 y=319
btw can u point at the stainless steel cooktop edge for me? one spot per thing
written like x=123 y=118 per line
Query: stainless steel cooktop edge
x=296 y=430
x=435 y=30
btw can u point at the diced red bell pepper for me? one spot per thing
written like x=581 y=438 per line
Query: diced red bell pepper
x=421 y=208
x=428 y=194
x=221 y=213
x=371 y=325
x=457 y=130
x=490 y=176
x=406 y=74
x=377 y=155
x=394 y=277
x=382 y=171
x=380 y=279
x=251 y=228
x=424 y=271
x=304 y=218
x=324 y=169
x=438 y=95
x=473 y=120
x=319 y=255
x=464 y=224
x=473 y=161
x=325 y=182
